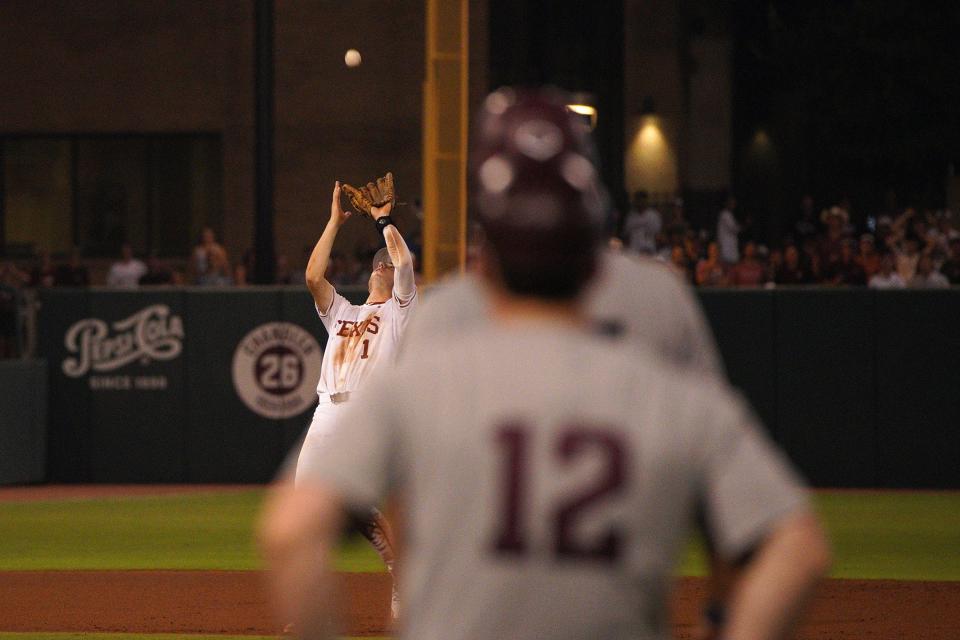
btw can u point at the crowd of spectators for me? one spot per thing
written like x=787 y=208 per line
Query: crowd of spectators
x=911 y=248
x=915 y=249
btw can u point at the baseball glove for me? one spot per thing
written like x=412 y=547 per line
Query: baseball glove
x=371 y=195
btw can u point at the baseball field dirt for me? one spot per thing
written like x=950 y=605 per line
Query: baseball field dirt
x=233 y=602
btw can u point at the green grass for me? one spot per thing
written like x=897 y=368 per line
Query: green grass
x=200 y=531
x=891 y=535
x=193 y=531
x=908 y=536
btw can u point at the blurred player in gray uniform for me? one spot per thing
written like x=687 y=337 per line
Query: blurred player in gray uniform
x=580 y=462
x=360 y=338
x=639 y=299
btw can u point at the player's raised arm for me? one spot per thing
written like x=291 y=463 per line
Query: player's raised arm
x=317 y=265
x=403 y=284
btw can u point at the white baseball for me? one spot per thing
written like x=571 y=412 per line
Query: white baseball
x=352 y=58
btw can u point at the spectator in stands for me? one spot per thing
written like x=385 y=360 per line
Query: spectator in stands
x=157 y=273
x=283 y=273
x=835 y=220
x=677 y=225
x=728 y=233
x=642 y=225
x=678 y=260
x=939 y=236
x=907 y=255
x=72 y=273
x=811 y=260
x=951 y=267
x=885 y=236
x=240 y=275
x=127 y=271
x=750 y=271
x=774 y=264
x=792 y=271
x=44 y=273
x=711 y=271
x=844 y=269
x=208 y=258
x=887 y=278
x=926 y=277
x=299 y=273
x=218 y=272
x=691 y=247
x=12 y=276
x=867 y=257
x=919 y=229
x=249 y=264
x=946 y=227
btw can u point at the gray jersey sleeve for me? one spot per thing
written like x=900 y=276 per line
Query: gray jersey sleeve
x=360 y=458
x=653 y=307
x=747 y=485
x=456 y=305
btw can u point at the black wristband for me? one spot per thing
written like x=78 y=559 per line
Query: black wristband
x=382 y=223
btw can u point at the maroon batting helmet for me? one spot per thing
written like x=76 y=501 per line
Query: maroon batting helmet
x=537 y=192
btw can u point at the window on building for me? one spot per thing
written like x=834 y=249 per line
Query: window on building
x=96 y=192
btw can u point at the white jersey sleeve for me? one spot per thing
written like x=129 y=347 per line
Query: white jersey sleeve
x=329 y=316
x=403 y=311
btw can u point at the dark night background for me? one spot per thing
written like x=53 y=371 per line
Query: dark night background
x=858 y=99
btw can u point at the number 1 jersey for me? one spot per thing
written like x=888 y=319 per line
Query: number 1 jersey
x=360 y=336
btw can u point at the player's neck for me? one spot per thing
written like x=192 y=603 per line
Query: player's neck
x=378 y=295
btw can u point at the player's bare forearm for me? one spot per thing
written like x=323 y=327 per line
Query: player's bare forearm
x=316 y=279
x=297 y=532
x=779 y=581
x=317 y=267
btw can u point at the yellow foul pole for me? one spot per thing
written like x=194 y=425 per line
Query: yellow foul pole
x=445 y=126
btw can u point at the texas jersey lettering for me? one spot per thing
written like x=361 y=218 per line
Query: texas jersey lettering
x=360 y=337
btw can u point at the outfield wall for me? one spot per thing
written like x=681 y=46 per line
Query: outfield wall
x=862 y=388
x=23 y=433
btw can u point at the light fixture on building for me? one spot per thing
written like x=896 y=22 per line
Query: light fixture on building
x=582 y=104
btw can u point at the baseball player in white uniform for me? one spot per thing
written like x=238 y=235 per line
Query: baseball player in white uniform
x=361 y=337
x=582 y=461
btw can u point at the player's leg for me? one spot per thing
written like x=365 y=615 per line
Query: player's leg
x=375 y=528
x=313 y=442
x=372 y=525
